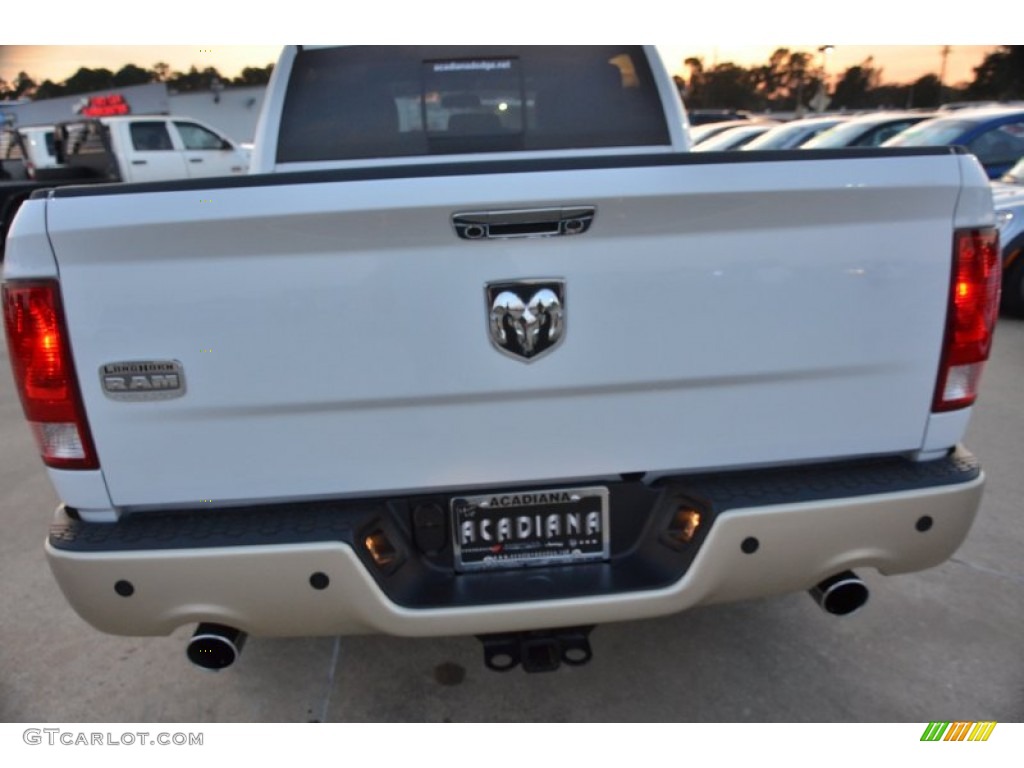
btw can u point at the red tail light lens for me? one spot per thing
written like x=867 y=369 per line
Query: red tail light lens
x=38 y=344
x=971 y=321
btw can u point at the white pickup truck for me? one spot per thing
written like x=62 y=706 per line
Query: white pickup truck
x=481 y=348
x=137 y=148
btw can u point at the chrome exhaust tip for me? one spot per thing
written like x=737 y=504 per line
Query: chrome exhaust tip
x=215 y=646
x=841 y=594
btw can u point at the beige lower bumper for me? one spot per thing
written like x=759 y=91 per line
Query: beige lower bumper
x=266 y=590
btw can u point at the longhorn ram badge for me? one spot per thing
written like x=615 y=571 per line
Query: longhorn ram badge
x=526 y=317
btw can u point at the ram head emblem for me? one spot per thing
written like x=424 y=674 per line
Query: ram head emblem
x=526 y=318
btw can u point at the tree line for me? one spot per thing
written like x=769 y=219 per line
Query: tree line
x=788 y=81
x=791 y=80
x=86 y=80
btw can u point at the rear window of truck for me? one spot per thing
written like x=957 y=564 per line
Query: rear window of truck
x=380 y=101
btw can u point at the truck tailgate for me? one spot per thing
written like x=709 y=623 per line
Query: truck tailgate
x=334 y=334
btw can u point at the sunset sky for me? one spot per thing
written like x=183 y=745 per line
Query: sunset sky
x=905 y=39
x=899 y=64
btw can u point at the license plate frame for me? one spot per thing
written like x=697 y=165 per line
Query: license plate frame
x=520 y=529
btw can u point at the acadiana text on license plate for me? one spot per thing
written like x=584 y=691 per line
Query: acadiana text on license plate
x=510 y=530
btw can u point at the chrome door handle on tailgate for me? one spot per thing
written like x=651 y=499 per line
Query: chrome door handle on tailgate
x=524 y=222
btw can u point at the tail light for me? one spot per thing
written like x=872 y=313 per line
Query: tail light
x=40 y=355
x=971 y=317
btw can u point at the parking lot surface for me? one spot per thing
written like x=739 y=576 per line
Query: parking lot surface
x=945 y=644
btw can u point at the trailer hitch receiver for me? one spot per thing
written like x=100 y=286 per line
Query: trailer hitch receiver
x=543 y=650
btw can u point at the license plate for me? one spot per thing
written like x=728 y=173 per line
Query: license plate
x=528 y=528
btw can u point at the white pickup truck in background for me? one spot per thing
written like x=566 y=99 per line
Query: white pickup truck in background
x=481 y=348
x=140 y=148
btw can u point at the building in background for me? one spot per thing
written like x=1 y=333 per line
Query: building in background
x=149 y=99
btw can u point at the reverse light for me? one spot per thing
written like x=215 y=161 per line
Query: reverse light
x=685 y=524
x=381 y=549
x=37 y=342
x=971 y=317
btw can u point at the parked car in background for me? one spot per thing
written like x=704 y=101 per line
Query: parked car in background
x=702 y=133
x=956 y=106
x=1008 y=196
x=793 y=134
x=151 y=148
x=734 y=138
x=995 y=135
x=708 y=116
x=866 y=130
